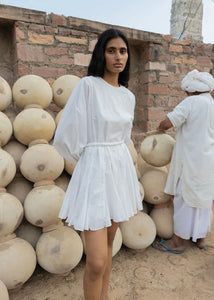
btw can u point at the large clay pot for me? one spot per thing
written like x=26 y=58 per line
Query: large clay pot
x=11 y=213
x=69 y=166
x=17 y=262
x=7 y=168
x=42 y=205
x=59 y=250
x=138 y=232
x=32 y=89
x=143 y=166
x=63 y=181
x=5 y=94
x=154 y=182
x=163 y=218
x=3 y=291
x=41 y=162
x=16 y=150
x=62 y=89
x=33 y=124
x=20 y=187
x=157 y=149
x=29 y=232
x=6 y=129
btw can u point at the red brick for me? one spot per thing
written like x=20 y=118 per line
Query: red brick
x=156 y=113
x=56 y=51
x=92 y=45
x=44 y=39
x=20 y=34
x=82 y=59
x=58 y=20
x=29 y=53
x=45 y=71
x=204 y=61
x=36 y=27
x=51 y=29
x=158 y=89
x=176 y=48
x=62 y=61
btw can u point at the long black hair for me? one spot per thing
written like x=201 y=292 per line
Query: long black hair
x=97 y=63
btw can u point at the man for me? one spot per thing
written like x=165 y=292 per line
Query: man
x=191 y=174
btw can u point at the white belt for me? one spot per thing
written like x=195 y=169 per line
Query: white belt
x=104 y=144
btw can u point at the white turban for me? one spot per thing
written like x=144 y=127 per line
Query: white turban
x=196 y=81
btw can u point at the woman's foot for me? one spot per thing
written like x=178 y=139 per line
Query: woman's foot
x=201 y=243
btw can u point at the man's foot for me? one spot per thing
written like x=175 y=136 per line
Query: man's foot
x=201 y=243
x=174 y=245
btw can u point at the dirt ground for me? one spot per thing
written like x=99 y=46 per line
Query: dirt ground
x=136 y=275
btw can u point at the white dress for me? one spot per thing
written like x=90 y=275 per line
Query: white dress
x=94 y=131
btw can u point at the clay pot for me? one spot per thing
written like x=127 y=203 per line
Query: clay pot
x=7 y=168
x=143 y=166
x=154 y=182
x=32 y=124
x=157 y=149
x=32 y=89
x=141 y=190
x=29 y=232
x=5 y=94
x=11 y=212
x=11 y=113
x=62 y=89
x=6 y=129
x=41 y=162
x=63 y=181
x=138 y=232
x=3 y=291
x=16 y=150
x=69 y=166
x=17 y=262
x=163 y=218
x=42 y=205
x=20 y=187
x=59 y=250
x=58 y=116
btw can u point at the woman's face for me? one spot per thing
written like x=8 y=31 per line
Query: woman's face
x=116 y=56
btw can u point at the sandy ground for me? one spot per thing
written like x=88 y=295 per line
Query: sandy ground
x=136 y=275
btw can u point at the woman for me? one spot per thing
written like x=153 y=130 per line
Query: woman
x=94 y=131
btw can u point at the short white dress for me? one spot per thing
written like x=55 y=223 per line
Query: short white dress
x=94 y=131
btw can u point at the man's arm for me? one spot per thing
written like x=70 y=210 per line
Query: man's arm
x=165 y=124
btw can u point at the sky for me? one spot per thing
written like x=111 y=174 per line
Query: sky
x=147 y=15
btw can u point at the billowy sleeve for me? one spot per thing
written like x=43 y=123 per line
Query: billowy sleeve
x=71 y=133
x=129 y=129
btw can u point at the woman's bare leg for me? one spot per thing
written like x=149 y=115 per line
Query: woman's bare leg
x=96 y=261
x=111 y=231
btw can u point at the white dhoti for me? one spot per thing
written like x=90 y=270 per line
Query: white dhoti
x=190 y=222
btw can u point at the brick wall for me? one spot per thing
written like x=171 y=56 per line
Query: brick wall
x=50 y=46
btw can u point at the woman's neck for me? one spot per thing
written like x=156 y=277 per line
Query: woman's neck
x=111 y=79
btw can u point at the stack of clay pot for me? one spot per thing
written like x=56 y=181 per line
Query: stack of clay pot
x=155 y=156
x=139 y=231
x=62 y=89
x=17 y=256
x=59 y=248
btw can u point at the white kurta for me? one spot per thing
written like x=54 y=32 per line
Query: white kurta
x=190 y=222
x=94 y=131
x=193 y=154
